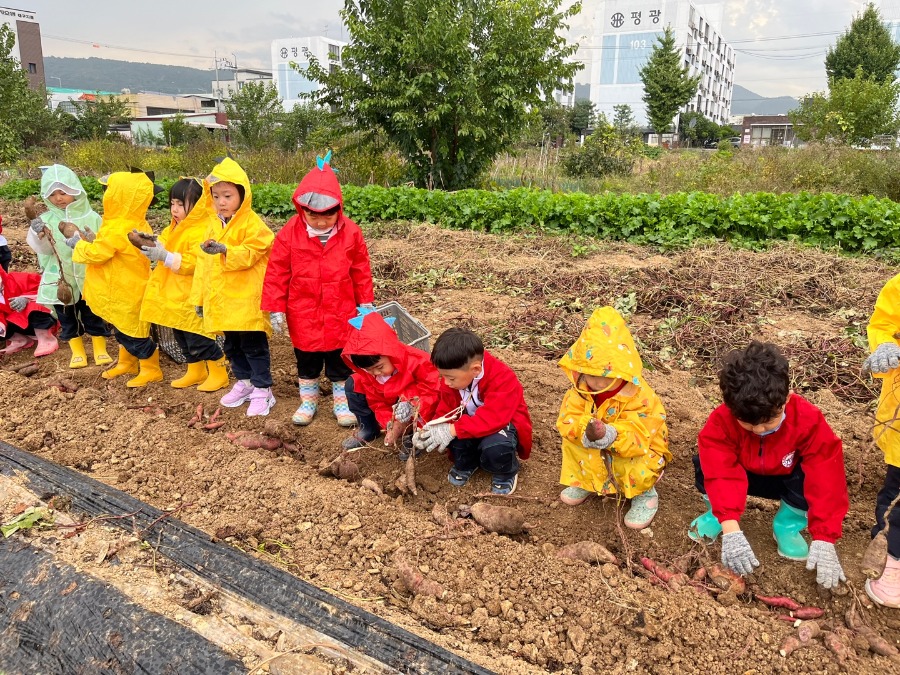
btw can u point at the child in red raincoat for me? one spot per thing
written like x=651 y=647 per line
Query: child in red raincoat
x=390 y=382
x=318 y=275
x=22 y=320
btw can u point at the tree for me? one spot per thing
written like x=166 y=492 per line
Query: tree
x=703 y=129
x=668 y=85
x=856 y=110
x=867 y=44
x=450 y=82
x=177 y=132
x=554 y=121
x=582 y=116
x=254 y=113
x=624 y=122
x=94 y=118
x=603 y=153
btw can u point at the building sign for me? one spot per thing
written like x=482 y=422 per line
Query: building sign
x=16 y=14
x=644 y=18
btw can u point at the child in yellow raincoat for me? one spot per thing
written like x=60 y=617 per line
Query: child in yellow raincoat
x=885 y=363
x=166 y=300
x=613 y=425
x=117 y=274
x=228 y=282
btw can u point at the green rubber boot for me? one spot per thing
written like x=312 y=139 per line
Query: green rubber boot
x=786 y=525
x=706 y=526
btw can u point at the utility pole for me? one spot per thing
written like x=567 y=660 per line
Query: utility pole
x=218 y=91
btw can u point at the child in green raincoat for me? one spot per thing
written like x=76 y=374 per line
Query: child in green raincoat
x=613 y=425
x=66 y=200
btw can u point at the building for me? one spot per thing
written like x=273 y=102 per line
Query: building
x=763 y=130
x=143 y=129
x=225 y=89
x=140 y=104
x=27 y=49
x=290 y=83
x=616 y=37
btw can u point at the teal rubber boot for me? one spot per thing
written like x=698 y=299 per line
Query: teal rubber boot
x=786 y=525
x=706 y=526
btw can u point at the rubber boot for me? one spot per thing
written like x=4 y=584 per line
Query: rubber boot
x=885 y=590
x=101 y=356
x=309 y=397
x=706 y=526
x=17 y=343
x=218 y=376
x=126 y=365
x=79 y=358
x=46 y=342
x=149 y=372
x=786 y=525
x=345 y=418
x=196 y=373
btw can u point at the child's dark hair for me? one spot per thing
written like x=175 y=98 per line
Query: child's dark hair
x=364 y=360
x=455 y=347
x=187 y=191
x=755 y=382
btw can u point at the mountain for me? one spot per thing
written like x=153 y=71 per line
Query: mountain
x=746 y=102
x=95 y=74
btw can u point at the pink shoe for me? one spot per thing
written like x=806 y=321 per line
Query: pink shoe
x=17 y=343
x=261 y=402
x=886 y=589
x=239 y=394
x=46 y=342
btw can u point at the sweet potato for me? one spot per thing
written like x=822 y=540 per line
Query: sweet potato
x=781 y=602
x=371 y=485
x=253 y=441
x=853 y=620
x=499 y=519
x=212 y=426
x=68 y=229
x=410 y=473
x=65 y=386
x=808 y=630
x=340 y=467
x=198 y=417
x=790 y=644
x=416 y=583
x=836 y=645
x=699 y=574
x=28 y=371
x=875 y=557
x=588 y=551
x=808 y=612
x=139 y=239
x=31 y=207
x=880 y=646
x=725 y=579
x=64 y=292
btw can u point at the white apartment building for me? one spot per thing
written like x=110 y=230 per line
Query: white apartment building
x=290 y=83
x=27 y=49
x=616 y=38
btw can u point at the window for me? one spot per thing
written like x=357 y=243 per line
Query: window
x=32 y=68
x=334 y=52
x=333 y=68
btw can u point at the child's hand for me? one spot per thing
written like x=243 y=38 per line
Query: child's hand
x=73 y=240
x=19 y=303
x=884 y=359
x=212 y=247
x=37 y=226
x=595 y=430
x=403 y=411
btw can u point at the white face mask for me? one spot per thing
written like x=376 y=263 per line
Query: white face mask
x=317 y=232
x=772 y=431
x=381 y=379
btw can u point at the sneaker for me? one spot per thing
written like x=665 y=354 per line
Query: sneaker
x=643 y=508
x=458 y=478
x=360 y=438
x=573 y=496
x=504 y=486
x=886 y=589
x=261 y=402
x=238 y=395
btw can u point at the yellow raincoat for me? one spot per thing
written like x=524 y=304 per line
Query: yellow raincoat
x=167 y=298
x=229 y=286
x=885 y=322
x=117 y=272
x=641 y=449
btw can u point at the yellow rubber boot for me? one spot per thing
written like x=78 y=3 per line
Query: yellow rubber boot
x=127 y=365
x=150 y=372
x=196 y=373
x=79 y=358
x=218 y=376
x=101 y=356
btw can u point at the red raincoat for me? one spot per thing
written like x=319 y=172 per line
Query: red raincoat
x=728 y=452
x=415 y=376
x=318 y=287
x=504 y=401
x=15 y=284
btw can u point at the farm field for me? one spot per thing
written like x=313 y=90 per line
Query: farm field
x=511 y=605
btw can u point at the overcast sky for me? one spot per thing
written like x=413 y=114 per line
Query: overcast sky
x=190 y=32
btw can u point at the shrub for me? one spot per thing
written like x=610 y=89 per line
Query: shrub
x=605 y=152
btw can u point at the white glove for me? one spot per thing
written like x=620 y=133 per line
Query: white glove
x=403 y=411
x=824 y=559
x=18 y=304
x=437 y=437
x=601 y=443
x=278 y=320
x=884 y=359
x=155 y=253
x=37 y=225
x=737 y=554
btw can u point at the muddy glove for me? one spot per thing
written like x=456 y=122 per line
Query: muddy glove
x=74 y=239
x=437 y=437
x=824 y=559
x=884 y=359
x=212 y=247
x=403 y=412
x=18 y=304
x=156 y=253
x=599 y=435
x=37 y=226
x=278 y=320
x=737 y=554
x=198 y=310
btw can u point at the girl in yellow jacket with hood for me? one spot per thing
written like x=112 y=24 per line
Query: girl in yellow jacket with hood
x=228 y=282
x=117 y=274
x=613 y=425
x=167 y=298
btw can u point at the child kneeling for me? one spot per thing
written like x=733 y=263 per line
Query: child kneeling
x=391 y=381
x=482 y=416
x=768 y=442
x=613 y=425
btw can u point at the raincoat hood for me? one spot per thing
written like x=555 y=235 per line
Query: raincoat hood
x=319 y=190
x=127 y=196
x=228 y=171
x=375 y=338
x=605 y=348
x=51 y=179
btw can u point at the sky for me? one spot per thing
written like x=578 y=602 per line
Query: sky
x=782 y=43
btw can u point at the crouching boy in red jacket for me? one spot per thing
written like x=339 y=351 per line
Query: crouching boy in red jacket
x=482 y=415
x=22 y=320
x=769 y=442
x=390 y=381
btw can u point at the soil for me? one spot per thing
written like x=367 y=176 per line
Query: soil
x=510 y=605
